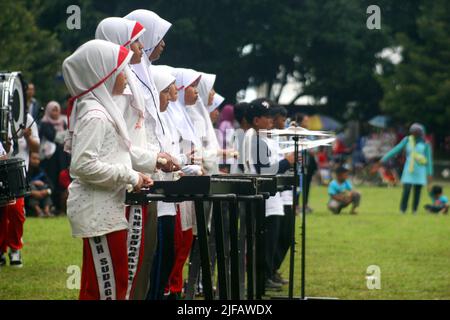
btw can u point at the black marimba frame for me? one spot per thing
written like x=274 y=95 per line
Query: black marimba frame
x=202 y=233
x=255 y=280
x=255 y=240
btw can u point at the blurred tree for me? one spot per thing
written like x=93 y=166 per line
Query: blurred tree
x=27 y=48
x=340 y=56
x=324 y=45
x=418 y=89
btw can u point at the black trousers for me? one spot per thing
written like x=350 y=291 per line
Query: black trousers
x=311 y=168
x=284 y=237
x=272 y=232
x=164 y=258
x=405 y=196
x=194 y=258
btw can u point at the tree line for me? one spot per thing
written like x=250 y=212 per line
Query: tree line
x=324 y=45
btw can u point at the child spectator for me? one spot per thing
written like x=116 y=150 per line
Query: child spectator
x=440 y=202
x=324 y=166
x=342 y=193
x=39 y=201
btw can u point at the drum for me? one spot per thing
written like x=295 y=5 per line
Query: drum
x=12 y=105
x=13 y=180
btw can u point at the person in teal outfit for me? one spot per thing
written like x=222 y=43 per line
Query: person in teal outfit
x=418 y=168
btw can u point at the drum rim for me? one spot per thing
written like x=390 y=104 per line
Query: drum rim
x=11 y=84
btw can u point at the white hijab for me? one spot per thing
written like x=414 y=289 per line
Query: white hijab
x=177 y=111
x=217 y=101
x=200 y=115
x=90 y=74
x=163 y=78
x=124 y=32
x=205 y=86
x=119 y=31
x=156 y=28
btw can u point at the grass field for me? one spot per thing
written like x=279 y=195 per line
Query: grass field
x=412 y=252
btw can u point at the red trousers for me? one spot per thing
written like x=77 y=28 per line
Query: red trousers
x=104 y=275
x=183 y=244
x=12 y=218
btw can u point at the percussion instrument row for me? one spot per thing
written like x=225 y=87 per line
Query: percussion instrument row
x=248 y=190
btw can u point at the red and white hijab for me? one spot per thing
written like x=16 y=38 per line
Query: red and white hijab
x=90 y=74
x=119 y=31
x=156 y=28
x=125 y=32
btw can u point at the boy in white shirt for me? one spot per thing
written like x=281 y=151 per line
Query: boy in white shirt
x=261 y=157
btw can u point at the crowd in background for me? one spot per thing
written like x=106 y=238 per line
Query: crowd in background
x=49 y=168
x=48 y=171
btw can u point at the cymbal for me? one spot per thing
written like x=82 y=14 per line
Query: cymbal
x=308 y=144
x=296 y=131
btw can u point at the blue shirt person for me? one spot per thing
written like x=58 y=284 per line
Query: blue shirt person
x=418 y=168
x=341 y=193
x=439 y=201
x=419 y=163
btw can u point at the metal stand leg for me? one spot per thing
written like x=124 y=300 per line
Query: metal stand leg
x=221 y=267
x=234 y=248
x=294 y=211
x=242 y=244
x=260 y=267
x=204 y=250
x=250 y=252
x=303 y=260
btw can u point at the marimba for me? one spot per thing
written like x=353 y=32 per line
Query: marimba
x=251 y=190
x=216 y=189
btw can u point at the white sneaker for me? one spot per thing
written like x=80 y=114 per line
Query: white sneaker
x=15 y=259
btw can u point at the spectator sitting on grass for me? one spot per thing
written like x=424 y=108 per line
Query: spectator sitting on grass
x=341 y=193
x=440 y=202
x=39 y=201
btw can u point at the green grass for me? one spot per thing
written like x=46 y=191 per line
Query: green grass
x=413 y=253
x=48 y=251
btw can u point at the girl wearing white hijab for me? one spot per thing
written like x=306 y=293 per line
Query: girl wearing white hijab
x=127 y=33
x=184 y=139
x=153 y=45
x=186 y=80
x=101 y=166
x=208 y=102
x=196 y=116
x=217 y=101
x=165 y=252
x=213 y=109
